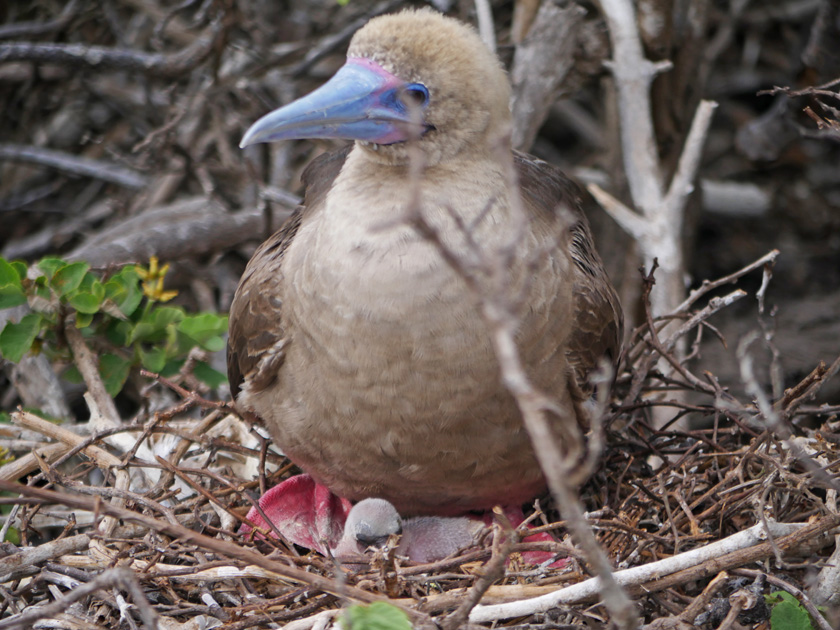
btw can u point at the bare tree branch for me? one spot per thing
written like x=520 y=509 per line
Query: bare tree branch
x=168 y=65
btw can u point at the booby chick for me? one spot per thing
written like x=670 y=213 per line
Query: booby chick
x=422 y=538
x=355 y=342
x=371 y=522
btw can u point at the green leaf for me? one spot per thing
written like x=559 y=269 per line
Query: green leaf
x=153 y=326
x=11 y=286
x=214 y=344
x=114 y=371
x=68 y=278
x=143 y=331
x=123 y=289
x=165 y=315
x=154 y=359
x=172 y=367
x=13 y=535
x=788 y=613
x=20 y=267
x=83 y=320
x=5 y=418
x=72 y=375
x=85 y=303
x=208 y=375
x=377 y=616
x=50 y=265
x=42 y=290
x=10 y=296
x=205 y=330
x=118 y=332
x=88 y=299
x=8 y=274
x=16 y=339
x=777 y=597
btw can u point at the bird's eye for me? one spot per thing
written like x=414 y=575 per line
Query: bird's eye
x=414 y=95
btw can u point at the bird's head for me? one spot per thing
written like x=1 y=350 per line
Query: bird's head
x=371 y=522
x=412 y=76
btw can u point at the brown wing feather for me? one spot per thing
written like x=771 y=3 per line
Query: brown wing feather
x=598 y=320
x=256 y=336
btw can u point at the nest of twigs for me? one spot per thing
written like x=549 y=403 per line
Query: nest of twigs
x=694 y=520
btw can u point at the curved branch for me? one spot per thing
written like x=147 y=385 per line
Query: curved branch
x=168 y=65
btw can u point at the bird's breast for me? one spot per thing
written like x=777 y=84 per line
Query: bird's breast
x=378 y=313
x=390 y=386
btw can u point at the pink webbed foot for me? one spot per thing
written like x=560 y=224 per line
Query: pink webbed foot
x=515 y=515
x=307 y=514
x=304 y=512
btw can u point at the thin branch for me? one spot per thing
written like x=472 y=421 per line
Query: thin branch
x=631 y=222
x=741 y=548
x=88 y=366
x=484 y=15
x=102 y=458
x=122 y=577
x=75 y=165
x=35 y=29
x=816 y=615
x=489 y=273
x=223 y=547
x=493 y=570
x=634 y=75
x=682 y=184
x=769 y=258
x=658 y=229
x=166 y=65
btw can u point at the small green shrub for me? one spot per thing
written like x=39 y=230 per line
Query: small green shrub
x=122 y=315
x=377 y=616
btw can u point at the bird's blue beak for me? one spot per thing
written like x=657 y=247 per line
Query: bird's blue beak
x=363 y=101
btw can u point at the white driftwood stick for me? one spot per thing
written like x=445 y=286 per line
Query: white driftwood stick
x=633 y=75
x=637 y=575
x=682 y=184
x=317 y=621
x=735 y=199
x=484 y=15
x=631 y=222
x=657 y=228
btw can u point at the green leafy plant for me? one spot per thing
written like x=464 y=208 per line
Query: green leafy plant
x=377 y=616
x=121 y=315
x=787 y=612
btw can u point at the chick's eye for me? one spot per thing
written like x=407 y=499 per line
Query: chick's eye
x=414 y=95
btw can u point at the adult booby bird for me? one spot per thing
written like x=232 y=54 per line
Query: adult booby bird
x=360 y=348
